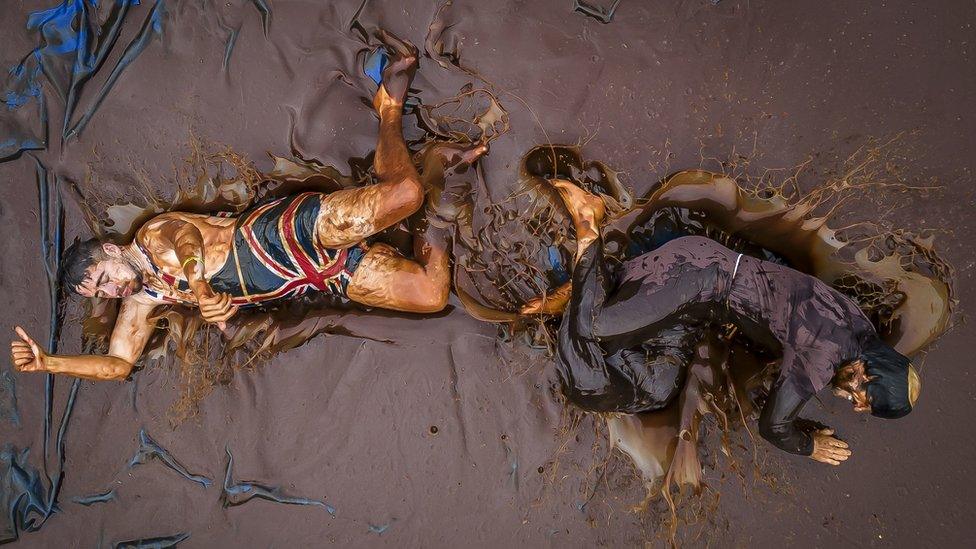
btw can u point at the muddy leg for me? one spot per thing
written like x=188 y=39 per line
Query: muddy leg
x=587 y=211
x=388 y=280
x=349 y=216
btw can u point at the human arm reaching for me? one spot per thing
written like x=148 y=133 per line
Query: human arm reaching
x=778 y=423
x=129 y=337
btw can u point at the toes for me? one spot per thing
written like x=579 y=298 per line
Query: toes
x=396 y=46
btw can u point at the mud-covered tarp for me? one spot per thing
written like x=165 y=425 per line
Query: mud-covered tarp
x=446 y=435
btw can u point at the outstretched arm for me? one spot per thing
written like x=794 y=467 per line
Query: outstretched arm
x=778 y=422
x=132 y=331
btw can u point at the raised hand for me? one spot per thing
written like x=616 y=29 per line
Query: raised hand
x=829 y=449
x=26 y=354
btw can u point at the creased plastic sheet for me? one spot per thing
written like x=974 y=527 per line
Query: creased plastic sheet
x=434 y=426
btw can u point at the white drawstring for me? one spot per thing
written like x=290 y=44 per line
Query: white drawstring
x=735 y=270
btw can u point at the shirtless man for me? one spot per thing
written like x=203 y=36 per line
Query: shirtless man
x=281 y=249
x=627 y=337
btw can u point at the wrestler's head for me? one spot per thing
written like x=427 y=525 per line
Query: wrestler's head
x=882 y=381
x=95 y=269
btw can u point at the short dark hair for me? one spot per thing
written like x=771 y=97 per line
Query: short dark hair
x=888 y=390
x=77 y=259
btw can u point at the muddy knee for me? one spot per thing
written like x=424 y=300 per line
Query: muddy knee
x=400 y=200
x=432 y=299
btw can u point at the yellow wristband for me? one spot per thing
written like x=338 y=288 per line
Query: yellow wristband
x=189 y=259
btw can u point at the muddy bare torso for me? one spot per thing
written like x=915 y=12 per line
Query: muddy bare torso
x=217 y=234
x=268 y=252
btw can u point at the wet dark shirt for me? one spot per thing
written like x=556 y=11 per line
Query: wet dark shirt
x=689 y=282
x=818 y=329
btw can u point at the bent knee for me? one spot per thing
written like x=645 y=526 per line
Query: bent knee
x=430 y=297
x=431 y=302
x=405 y=197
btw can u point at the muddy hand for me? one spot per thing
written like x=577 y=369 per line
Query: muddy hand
x=829 y=449
x=217 y=308
x=26 y=355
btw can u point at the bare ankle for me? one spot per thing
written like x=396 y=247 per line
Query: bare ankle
x=383 y=101
x=586 y=234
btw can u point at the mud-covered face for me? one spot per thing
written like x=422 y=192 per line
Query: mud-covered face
x=850 y=382
x=112 y=277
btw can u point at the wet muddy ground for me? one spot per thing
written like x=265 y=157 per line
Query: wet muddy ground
x=444 y=436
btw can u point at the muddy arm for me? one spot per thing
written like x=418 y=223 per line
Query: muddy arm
x=132 y=331
x=186 y=240
x=777 y=423
x=549 y=304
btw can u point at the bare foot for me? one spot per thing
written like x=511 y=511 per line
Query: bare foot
x=455 y=156
x=399 y=71
x=587 y=210
x=551 y=304
x=437 y=161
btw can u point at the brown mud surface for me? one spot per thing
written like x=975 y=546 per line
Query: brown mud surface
x=429 y=430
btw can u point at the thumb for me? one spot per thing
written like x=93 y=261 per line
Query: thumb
x=826 y=431
x=26 y=338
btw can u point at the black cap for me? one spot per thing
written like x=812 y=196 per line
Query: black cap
x=889 y=388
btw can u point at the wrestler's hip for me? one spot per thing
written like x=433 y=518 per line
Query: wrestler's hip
x=378 y=261
x=386 y=279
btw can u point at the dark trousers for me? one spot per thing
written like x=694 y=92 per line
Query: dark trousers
x=628 y=352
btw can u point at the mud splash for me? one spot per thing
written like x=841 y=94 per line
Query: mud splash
x=896 y=276
x=524 y=245
x=214 y=180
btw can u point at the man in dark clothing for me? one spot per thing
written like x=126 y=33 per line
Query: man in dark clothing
x=627 y=336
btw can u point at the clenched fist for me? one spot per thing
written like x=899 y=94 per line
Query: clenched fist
x=216 y=308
